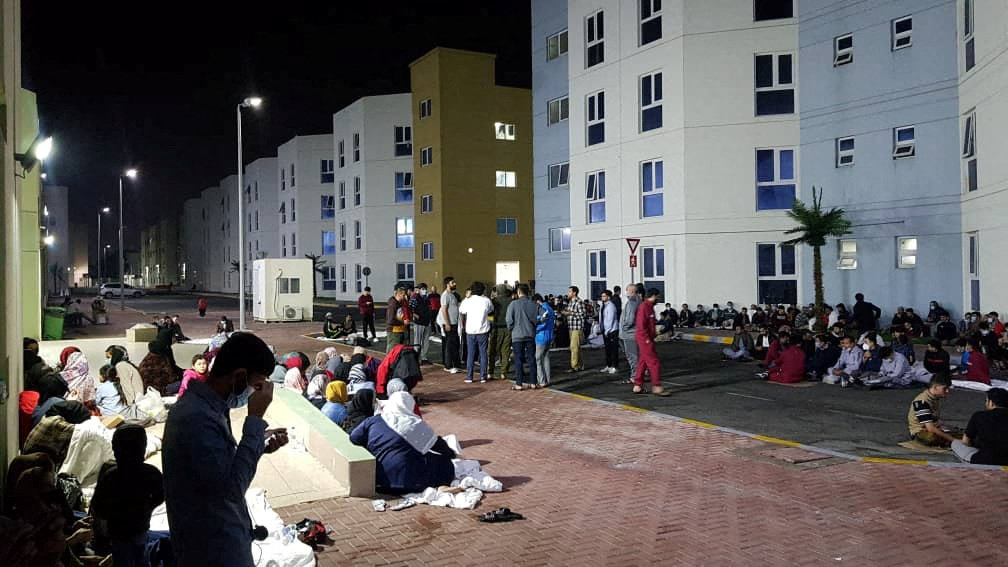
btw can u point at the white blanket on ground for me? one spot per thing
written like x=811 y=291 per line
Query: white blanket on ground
x=91 y=447
x=272 y=550
x=980 y=386
x=468 y=476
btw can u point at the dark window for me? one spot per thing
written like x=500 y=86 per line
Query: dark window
x=764 y=71
x=787 y=260
x=778 y=291
x=971 y=175
x=767 y=259
x=775 y=102
x=772 y=10
x=970 y=54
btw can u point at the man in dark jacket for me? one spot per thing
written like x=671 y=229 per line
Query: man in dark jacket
x=365 y=303
x=500 y=336
x=521 y=317
x=421 y=315
x=866 y=314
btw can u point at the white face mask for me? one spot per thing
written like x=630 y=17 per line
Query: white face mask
x=240 y=400
x=423 y=292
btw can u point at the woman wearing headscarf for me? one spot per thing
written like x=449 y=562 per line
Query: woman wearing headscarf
x=293 y=379
x=316 y=390
x=65 y=355
x=78 y=379
x=130 y=380
x=361 y=407
x=410 y=456
x=158 y=369
x=397 y=385
x=335 y=406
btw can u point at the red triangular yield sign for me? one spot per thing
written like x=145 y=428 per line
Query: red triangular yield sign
x=632 y=243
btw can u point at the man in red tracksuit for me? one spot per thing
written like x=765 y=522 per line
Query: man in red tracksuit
x=645 y=335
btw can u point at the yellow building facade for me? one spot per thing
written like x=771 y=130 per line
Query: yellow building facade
x=472 y=154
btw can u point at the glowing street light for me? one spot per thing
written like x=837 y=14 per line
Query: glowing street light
x=249 y=102
x=132 y=174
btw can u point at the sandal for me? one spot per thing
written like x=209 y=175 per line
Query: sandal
x=638 y=390
x=501 y=515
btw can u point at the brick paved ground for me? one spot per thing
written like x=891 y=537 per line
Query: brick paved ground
x=601 y=485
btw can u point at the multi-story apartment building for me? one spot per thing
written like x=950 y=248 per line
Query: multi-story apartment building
x=373 y=196
x=261 y=206
x=159 y=262
x=879 y=116
x=213 y=242
x=228 y=234
x=551 y=144
x=672 y=107
x=472 y=172
x=191 y=253
x=981 y=46
x=305 y=167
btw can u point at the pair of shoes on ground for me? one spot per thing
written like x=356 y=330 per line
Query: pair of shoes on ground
x=608 y=370
x=470 y=380
x=518 y=388
x=501 y=515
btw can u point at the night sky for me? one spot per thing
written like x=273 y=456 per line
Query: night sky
x=121 y=84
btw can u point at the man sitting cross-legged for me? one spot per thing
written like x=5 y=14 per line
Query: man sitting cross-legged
x=924 y=417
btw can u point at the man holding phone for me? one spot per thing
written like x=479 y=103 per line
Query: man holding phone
x=206 y=472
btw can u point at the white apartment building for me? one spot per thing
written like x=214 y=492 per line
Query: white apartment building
x=228 y=239
x=191 y=229
x=373 y=190
x=304 y=195
x=983 y=104
x=683 y=133
x=261 y=205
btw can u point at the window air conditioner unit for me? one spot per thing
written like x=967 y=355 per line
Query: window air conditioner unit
x=291 y=313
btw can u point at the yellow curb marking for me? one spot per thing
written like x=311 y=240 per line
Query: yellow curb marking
x=583 y=397
x=776 y=441
x=634 y=409
x=697 y=423
x=893 y=461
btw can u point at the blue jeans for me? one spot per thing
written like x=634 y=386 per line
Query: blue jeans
x=524 y=353
x=480 y=341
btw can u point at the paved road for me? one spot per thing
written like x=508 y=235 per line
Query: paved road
x=185 y=305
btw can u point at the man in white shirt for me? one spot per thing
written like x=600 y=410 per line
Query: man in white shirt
x=474 y=311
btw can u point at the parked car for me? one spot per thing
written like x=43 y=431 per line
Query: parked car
x=111 y=290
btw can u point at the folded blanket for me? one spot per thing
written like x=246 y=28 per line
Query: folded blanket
x=468 y=476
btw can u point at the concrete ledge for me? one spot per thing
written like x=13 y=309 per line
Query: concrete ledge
x=350 y=465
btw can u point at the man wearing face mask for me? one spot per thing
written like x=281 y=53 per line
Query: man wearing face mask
x=206 y=472
x=420 y=311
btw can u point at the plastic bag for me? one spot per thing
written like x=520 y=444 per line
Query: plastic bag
x=151 y=405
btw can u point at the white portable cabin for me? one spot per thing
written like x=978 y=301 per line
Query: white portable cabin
x=282 y=289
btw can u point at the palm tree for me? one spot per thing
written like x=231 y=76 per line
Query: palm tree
x=318 y=265
x=814 y=226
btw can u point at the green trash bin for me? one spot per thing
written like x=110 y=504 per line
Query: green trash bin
x=52 y=323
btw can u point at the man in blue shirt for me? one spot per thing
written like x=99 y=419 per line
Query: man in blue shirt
x=206 y=472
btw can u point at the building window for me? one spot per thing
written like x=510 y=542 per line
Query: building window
x=973 y=269
x=358 y=283
x=404 y=272
x=293 y=244
x=342 y=156
x=257 y=220
x=507 y=226
x=776 y=274
x=969 y=47
x=342 y=277
x=650 y=21
x=404 y=187
x=651 y=100
x=596 y=273
x=559 y=175
x=426 y=156
x=654 y=268
x=775 y=178
x=845 y=151
x=652 y=189
x=846 y=254
x=772 y=10
x=426 y=203
x=356 y=192
x=427 y=251
x=843 y=50
x=505 y=179
x=558 y=110
x=595 y=39
x=328 y=242
x=906 y=252
x=283 y=213
x=342 y=237
x=404 y=232
x=596 y=118
x=293 y=211
x=289 y=285
x=504 y=131
x=283 y=179
x=326 y=172
x=969 y=151
x=283 y=245
x=328 y=206
x=403 y=141
x=356 y=146
x=904 y=143
x=425 y=108
x=560 y=239
x=595 y=196
x=357 y=234
x=774 y=84
x=902 y=32
x=292 y=176
x=556 y=45
x=256 y=185
x=342 y=195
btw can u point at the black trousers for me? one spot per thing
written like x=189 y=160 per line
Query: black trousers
x=450 y=350
x=368 y=323
x=612 y=349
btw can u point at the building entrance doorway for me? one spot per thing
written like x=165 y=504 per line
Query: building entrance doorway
x=507 y=272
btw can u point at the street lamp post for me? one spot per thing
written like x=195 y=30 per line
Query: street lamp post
x=250 y=102
x=131 y=173
x=104 y=210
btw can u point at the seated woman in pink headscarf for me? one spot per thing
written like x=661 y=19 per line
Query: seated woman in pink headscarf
x=294 y=379
x=77 y=375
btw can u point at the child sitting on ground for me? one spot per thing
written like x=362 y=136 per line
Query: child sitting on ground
x=126 y=494
x=198 y=370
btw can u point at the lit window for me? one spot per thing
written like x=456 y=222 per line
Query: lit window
x=426 y=156
x=560 y=239
x=403 y=141
x=596 y=118
x=559 y=175
x=427 y=251
x=652 y=189
x=774 y=84
x=904 y=142
x=594 y=39
x=651 y=101
x=328 y=242
x=845 y=151
x=404 y=232
x=843 y=50
x=906 y=252
x=902 y=32
x=775 y=178
x=507 y=226
x=504 y=131
x=595 y=196
x=558 y=110
x=847 y=255
x=556 y=45
x=650 y=21
x=404 y=187
x=425 y=108
x=506 y=179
